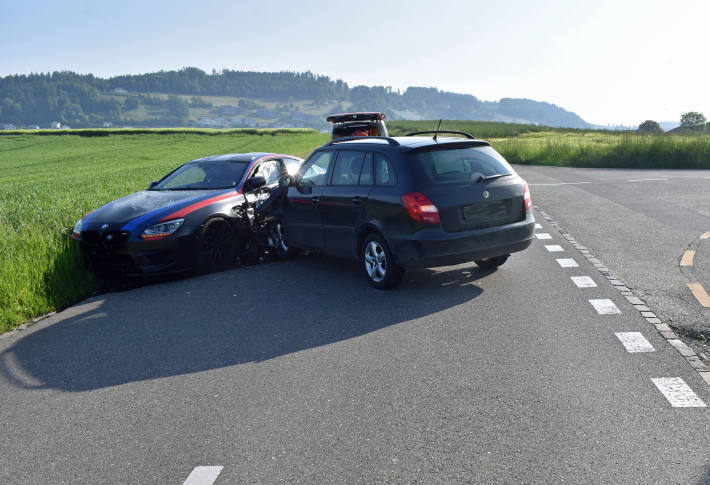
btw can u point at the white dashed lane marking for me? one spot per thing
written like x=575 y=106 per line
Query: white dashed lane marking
x=543 y=235
x=634 y=342
x=645 y=180
x=538 y=226
x=605 y=307
x=567 y=263
x=553 y=248
x=678 y=393
x=203 y=475
x=583 y=281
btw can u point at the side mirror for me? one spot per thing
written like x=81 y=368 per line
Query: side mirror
x=255 y=183
x=153 y=184
x=285 y=181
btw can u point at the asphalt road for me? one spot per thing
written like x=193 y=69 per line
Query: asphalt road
x=300 y=372
x=639 y=223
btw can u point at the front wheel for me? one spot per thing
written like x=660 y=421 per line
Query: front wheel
x=378 y=263
x=492 y=263
x=217 y=246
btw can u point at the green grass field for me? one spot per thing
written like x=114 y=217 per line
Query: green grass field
x=539 y=145
x=49 y=181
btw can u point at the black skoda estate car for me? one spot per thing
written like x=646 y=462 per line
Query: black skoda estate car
x=413 y=201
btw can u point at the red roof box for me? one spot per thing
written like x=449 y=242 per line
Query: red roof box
x=364 y=116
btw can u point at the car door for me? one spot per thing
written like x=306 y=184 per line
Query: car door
x=265 y=201
x=343 y=200
x=304 y=227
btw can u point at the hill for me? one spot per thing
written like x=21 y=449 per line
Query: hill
x=191 y=97
x=686 y=130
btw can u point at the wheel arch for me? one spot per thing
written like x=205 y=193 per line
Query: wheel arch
x=364 y=231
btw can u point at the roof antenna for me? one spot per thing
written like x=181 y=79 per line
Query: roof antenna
x=437 y=129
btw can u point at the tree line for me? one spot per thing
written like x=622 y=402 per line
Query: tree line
x=83 y=99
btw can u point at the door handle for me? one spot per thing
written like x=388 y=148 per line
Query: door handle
x=357 y=200
x=315 y=199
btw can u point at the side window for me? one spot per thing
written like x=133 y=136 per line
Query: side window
x=270 y=170
x=347 y=168
x=384 y=171
x=366 y=175
x=315 y=170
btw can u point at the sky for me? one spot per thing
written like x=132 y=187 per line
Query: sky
x=613 y=62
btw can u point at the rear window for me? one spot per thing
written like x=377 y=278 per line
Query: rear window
x=460 y=164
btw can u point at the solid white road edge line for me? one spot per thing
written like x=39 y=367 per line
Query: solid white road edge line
x=678 y=393
x=203 y=475
x=634 y=342
x=583 y=281
x=644 y=180
x=605 y=306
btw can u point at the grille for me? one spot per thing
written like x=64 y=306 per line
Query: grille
x=109 y=238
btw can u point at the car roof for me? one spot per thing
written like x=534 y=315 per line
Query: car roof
x=240 y=157
x=407 y=143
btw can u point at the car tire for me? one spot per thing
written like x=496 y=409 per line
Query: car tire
x=217 y=246
x=492 y=263
x=279 y=242
x=378 y=263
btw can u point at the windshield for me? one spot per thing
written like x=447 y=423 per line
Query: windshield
x=203 y=175
x=460 y=164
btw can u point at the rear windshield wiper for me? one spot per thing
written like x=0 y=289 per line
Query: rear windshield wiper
x=482 y=179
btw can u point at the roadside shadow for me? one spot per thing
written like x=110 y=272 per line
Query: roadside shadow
x=250 y=314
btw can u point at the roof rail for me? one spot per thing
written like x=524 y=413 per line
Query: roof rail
x=467 y=135
x=389 y=140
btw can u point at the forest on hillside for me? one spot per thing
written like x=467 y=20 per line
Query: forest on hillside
x=84 y=100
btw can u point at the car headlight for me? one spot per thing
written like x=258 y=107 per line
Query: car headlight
x=76 y=232
x=163 y=229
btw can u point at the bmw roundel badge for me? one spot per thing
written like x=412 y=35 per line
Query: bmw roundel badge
x=486 y=194
x=104 y=227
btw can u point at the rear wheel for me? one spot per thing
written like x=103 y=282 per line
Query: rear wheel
x=278 y=241
x=492 y=263
x=379 y=266
x=217 y=246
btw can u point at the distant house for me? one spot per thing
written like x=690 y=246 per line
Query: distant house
x=207 y=122
x=231 y=110
x=107 y=124
x=267 y=113
x=31 y=127
x=304 y=117
x=55 y=125
x=9 y=126
x=119 y=91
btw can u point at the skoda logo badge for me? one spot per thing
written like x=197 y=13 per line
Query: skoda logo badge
x=104 y=227
x=486 y=194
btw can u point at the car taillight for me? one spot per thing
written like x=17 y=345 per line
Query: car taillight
x=420 y=208
x=527 y=200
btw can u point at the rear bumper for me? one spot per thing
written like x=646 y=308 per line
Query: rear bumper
x=434 y=247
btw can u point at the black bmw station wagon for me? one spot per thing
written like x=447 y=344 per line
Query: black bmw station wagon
x=413 y=201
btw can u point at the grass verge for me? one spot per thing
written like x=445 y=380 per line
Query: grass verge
x=48 y=182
